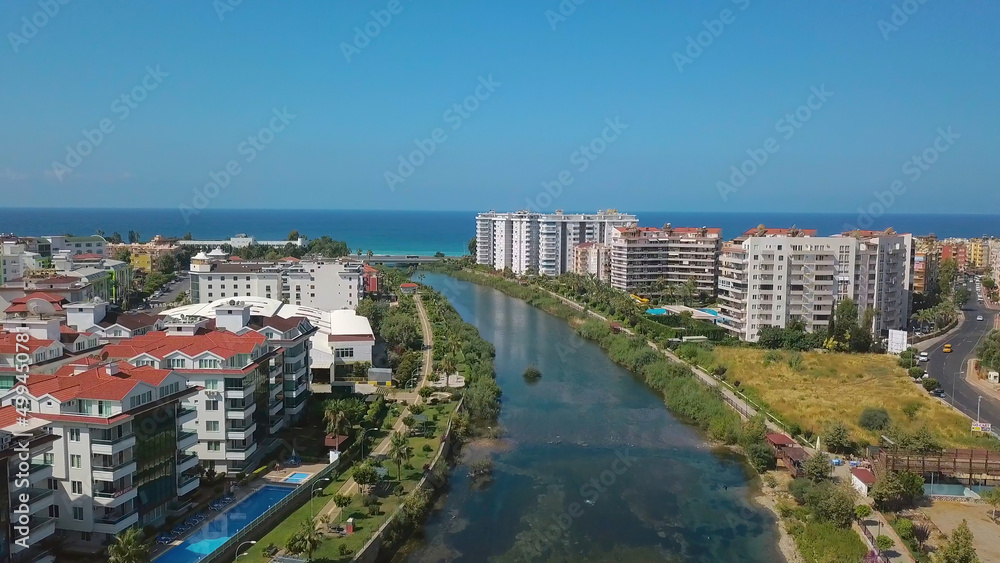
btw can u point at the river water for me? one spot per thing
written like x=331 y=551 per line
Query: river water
x=592 y=467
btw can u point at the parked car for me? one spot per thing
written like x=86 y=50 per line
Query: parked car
x=938 y=393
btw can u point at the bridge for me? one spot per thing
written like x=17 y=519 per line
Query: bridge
x=402 y=259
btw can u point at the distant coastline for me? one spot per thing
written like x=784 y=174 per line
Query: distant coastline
x=427 y=232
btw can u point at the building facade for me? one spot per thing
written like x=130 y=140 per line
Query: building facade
x=527 y=242
x=593 y=259
x=648 y=260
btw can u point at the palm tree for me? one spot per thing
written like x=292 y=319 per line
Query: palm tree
x=335 y=422
x=370 y=254
x=128 y=547
x=447 y=366
x=399 y=452
x=306 y=540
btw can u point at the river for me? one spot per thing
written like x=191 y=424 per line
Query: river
x=593 y=467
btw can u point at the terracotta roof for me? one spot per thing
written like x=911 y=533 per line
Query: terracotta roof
x=96 y=383
x=20 y=304
x=863 y=475
x=408 y=285
x=778 y=232
x=796 y=453
x=88 y=256
x=159 y=344
x=280 y=323
x=290 y=259
x=10 y=345
x=332 y=441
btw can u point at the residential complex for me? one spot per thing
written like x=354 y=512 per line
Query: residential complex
x=325 y=284
x=527 y=242
x=593 y=259
x=769 y=277
x=144 y=255
x=648 y=260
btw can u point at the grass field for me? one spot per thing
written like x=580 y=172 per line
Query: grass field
x=832 y=386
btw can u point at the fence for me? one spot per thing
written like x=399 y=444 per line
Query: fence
x=874 y=556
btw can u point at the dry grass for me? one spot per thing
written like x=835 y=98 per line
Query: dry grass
x=830 y=386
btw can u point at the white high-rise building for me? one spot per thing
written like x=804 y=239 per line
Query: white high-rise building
x=646 y=260
x=528 y=242
x=769 y=277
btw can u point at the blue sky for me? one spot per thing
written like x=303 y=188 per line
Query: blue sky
x=223 y=79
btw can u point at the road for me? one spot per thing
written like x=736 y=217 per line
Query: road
x=949 y=369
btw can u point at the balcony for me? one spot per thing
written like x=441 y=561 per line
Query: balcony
x=277 y=423
x=115 y=522
x=241 y=433
x=186 y=461
x=107 y=445
x=104 y=472
x=240 y=453
x=38 y=499
x=187 y=484
x=186 y=440
x=108 y=497
x=38 y=528
x=39 y=472
x=186 y=415
x=239 y=393
x=275 y=407
x=240 y=412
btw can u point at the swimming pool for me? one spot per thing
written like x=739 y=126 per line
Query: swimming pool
x=656 y=311
x=297 y=477
x=712 y=312
x=224 y=526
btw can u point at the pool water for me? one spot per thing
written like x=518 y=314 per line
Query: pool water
x=712 y=312
x=224 y=526
x=297 y=477
x=656 y=311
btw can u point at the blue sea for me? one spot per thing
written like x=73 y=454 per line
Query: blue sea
x=427 y=232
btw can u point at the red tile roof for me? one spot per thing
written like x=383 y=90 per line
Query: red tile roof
x=290 y=259
x=19 y=305
x=863 y=475
x=95 y=383
x=159 y=344
x=780 y=440
x=407 y=285
x=10 y=345
x=88 y=256
x=778 y=232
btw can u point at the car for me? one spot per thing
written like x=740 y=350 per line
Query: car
x=923 y=357
x=938 y=393
x=979 y=318
x=947 y=349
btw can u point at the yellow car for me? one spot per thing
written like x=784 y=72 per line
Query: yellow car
x=947 y=348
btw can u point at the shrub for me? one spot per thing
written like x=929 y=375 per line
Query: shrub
x=771 y=357
x=427 y=448
x=930 y=384
x=795 y=362
x=916 y=372
x=862 y=511
x=532 y=373
x=874 y=419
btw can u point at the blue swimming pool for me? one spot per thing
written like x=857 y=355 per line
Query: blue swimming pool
x=656 y=311
x=224 y=526
x=712 y=312
x=297 y=477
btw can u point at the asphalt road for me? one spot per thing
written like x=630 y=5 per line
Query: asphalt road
x=949 y=369
x=166 y=298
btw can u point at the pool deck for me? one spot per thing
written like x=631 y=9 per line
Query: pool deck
x=278 y=477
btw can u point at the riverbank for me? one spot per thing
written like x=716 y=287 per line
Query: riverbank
x=703 y=406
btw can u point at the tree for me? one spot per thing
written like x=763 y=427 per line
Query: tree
x=306 y=540
x=133 y=237
x=399 y=452
x=374 y=311
x=401 y=331
x=961 y=296
x=897 y=489
x=992 y=498
x=115 y=238
x=336 y=421
x=122 y=254
x=874 y=419
x=365 y=475
x=884 y=543
x=959 y=548
x=911 y=485
x=930 y=384
x=862 y=511
x=370 y=253
x=187 y=236
x=294 y=235
x=342 y=501
x=837 y=437
x=128 y=547
x=817 y=467
x=472 y=246
x=166 y=264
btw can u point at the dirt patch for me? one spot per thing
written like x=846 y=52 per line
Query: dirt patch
x=768 y=498
x=946 y=516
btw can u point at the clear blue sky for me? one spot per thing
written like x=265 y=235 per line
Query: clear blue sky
x=354 y=119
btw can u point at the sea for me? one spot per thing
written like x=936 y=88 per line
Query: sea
x=427 y=232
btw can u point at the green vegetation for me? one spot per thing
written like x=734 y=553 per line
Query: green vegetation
x=532 y=373
x=897 y=490
x=959 y=548
x=128 y=547
x=913 y=537
x=988 y=351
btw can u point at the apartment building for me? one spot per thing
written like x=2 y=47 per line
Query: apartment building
x=528 y=242
x=645 y=260
x=78 y=245
x=593 y=259
x=322 y=284
x=772 y=276
x=144 y=255
x=926 y=258
x=978 y=250
x=122 y=457
x=251 y=374
x=25 y=524
x=956 y=249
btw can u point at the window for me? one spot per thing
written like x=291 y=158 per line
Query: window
x=214 y=446
x=344 y=352
x=211 y=405
x=212 y=384
x=77 y=513
x=85 y=536
x=77 y=487
x=54 y=511
x=74 y=434
x=53 y=484
x=212 y=425
x=75 y=461
x=175 y=363
x=48 y=459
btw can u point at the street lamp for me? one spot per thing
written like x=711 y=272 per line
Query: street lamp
x=238 y=554
x=979 y=403
x=312 y=491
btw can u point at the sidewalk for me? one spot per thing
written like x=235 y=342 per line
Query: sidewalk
x=350 y=487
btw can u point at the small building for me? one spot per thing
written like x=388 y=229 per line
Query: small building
x=778 y=442
x=793 y=458
x=380 y=377
x=862 y=480
x=338 y=442
x=408 y=288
